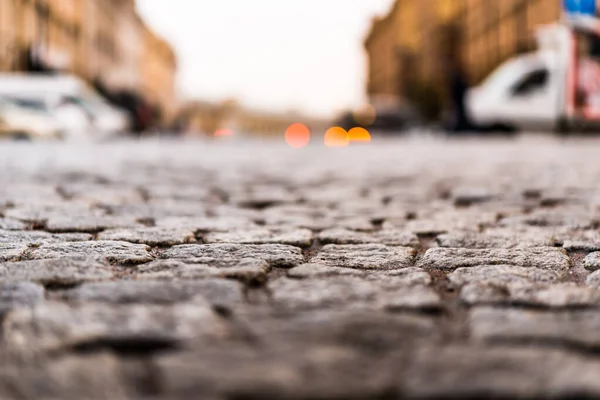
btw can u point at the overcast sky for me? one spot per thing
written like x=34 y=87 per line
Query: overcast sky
x=276 y=55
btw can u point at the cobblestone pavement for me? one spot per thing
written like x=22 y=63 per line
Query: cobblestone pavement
x=207 y=271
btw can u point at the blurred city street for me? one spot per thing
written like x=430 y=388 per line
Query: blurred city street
x=299 y=200
x=411 y=268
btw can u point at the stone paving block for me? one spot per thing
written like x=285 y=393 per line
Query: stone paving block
x=296 y=237
x=406 y=276
x=60 y=271
x=330 y=292
x=369 y=330
x=593 y=279
x=277 y=255
x=355 y=223
x=467 y=196
x=172 y=208
x=19 y=294
x=247 y=270
x=11 y=224
x=111 y=251
x=330 y=194
x=388 y=237
x=560 y=295
x=12 y=251
x=474 y=240
x=365 y=256
x=150 y=236
x=214 y=291
x=502 y=274
x=353 y=292
x=53 y=326
x=133 y=211
x=288 y=216
x=334 y=372
x=570 y=217
x=415 y=297
x=447 y=221
x=581 y=241
x=592 y=261
x=101 y=194
x=263 y=196
x=208 y=224
x=68 y=223
x=242 y=215
x=90 y=376
x=40 y=237
x=568 y=327
x=40 y=214
x=28 y=192
x=548 y=258
x=523 y=372
x=180 y=192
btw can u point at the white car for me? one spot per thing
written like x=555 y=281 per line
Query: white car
x=74 y=122
x=18 y=122
x=77 y=105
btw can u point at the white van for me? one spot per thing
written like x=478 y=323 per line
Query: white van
x=77 y=107
x=539 y=91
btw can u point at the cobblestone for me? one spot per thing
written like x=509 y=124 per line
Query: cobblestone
x=365 y=256
x=592 y=261
x=400 y=269
x=112 y=251
x=245 y=269
x=544 y=258
x=562 y=295
x=52 y=326
x=571 y=327
x=11 y=224
x=150 y=236
x=220 y=292
x=298 y=237
x=12 y=251
x=40 y=237
x=19 y=294
x=88 y=224
x=389 y=237
x=276 y=255
x=58 y=271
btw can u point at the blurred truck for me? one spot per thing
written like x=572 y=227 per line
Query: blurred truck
x=556 y=88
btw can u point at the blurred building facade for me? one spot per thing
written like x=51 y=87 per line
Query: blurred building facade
x=100 y=40
x=408 y=47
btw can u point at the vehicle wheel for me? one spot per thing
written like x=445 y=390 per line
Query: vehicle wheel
x=503 y=129
x=563 y=128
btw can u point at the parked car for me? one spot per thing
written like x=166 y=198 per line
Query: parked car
x=74 y=121
x=386 y=121
x=74 y=102
x=26 y=123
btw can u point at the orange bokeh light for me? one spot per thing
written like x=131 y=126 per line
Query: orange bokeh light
x=297 y=135
x=223 y=132
x=359 y=135
x=336 y=137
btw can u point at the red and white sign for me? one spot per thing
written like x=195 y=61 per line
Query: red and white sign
x=583 y=79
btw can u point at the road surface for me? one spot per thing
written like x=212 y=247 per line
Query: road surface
x=210 y=270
